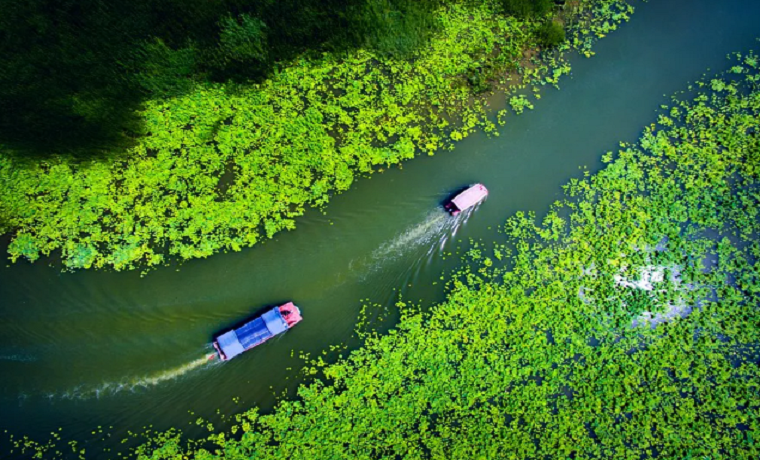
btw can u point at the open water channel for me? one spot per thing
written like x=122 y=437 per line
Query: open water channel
x=90 y=348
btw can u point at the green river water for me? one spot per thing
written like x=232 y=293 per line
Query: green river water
x=78 y=350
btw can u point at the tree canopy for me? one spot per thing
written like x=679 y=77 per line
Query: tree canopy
x=75 y=72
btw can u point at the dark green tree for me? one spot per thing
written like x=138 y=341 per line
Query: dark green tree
x=525 y=8
x=550 y=34
x=75 y=72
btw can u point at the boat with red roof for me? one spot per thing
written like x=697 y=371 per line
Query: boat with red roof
x=257 y=331
x=466 y=199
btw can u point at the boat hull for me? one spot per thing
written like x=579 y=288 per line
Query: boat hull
x=257 y=331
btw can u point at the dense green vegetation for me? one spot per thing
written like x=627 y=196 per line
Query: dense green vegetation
x=525 y=8
x=75 y=72
x=586 y=345
x=222 y=165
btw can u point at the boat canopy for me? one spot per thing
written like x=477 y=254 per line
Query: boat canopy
x=274 y=321
x=229 y=344
x=252 y=333
x=470 y=197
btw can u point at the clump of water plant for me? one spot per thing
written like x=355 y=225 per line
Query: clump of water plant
x=520 y=103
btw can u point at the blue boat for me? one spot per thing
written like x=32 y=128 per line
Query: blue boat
x=257 y=331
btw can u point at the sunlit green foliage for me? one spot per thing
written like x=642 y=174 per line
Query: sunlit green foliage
x=520 y=103
x=543 y=359
x=224 y=166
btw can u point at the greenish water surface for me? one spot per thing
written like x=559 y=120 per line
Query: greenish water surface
x=78 y=350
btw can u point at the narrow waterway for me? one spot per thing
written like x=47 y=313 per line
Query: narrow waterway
x=78 y=350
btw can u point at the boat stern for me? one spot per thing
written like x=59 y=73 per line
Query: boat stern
x=219 y=351
x=451 y=208
x=228 y=345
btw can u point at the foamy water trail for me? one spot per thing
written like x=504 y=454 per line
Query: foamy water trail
x=418 y=244
x=19 y=358
x=422 y=238
x=428 y=230
x=136 y=383
x=171 y=374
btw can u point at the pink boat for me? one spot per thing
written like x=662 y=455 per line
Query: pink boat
x=466 y=199
x=257 y=331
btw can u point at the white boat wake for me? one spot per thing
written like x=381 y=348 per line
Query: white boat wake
x=133 y=384
x=418 y=242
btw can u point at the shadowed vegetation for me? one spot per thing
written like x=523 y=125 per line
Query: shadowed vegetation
x=550 y=34
x=75 y=72
x=525 y=8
